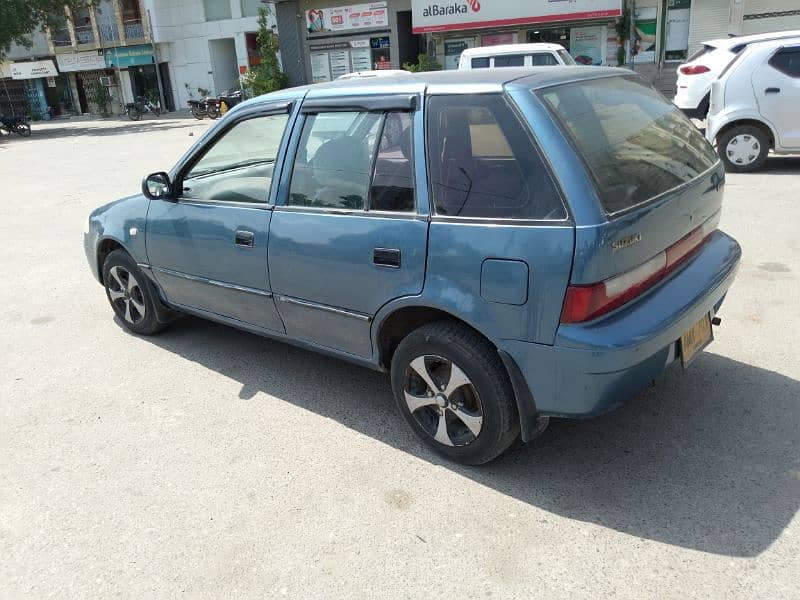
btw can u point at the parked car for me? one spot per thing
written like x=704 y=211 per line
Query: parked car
x=536 y=243
x=515 y=55
x=696 y=75
x=754 y=105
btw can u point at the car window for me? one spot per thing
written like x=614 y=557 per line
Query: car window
x=543 y=59
x=334 y=160
x=509 y=60
x=483 y=162
x=787 y=61
x=480 y=63
x=238 y=166
x=636 y=144
x=393 y=179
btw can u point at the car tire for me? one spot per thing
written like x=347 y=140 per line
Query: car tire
x=743 y=149
x=453 y=390
x=130 y=294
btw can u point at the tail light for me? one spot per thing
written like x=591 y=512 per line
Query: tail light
x=586 y=302
x=694 y=69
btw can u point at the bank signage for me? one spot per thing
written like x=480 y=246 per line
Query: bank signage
x=129 y=56
x=33 y=70
x=448 y=15
x=80 y=61
x=345 y=18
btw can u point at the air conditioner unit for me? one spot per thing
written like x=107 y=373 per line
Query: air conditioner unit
x=106 y=81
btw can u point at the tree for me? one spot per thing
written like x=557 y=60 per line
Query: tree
x=424 y=63
x=266 y=76
x=20 y=18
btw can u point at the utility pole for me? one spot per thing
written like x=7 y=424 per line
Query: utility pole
x=161 y=96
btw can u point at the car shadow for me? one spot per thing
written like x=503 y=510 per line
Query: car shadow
x=781 y=165
x=707 y=459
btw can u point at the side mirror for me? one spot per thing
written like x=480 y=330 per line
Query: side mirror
x=157 y=186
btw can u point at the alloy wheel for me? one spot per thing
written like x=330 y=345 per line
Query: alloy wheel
x=126 y=295
x=443 y=400
x=743 y=149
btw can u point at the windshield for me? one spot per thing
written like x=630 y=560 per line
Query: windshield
x=636 y=144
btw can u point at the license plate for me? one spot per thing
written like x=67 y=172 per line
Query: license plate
x=695 y=339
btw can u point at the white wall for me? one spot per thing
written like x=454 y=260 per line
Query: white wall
x=182 y=37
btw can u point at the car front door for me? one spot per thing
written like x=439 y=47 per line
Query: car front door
x=777 y=88
x=207 y=247
x=347 y=237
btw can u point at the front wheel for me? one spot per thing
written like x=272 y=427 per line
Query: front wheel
x=198 y=114
x=130 y=294
x=23 y=129
x=454 y=392
x=214 y=112
x=134 y=114
x=743 y=149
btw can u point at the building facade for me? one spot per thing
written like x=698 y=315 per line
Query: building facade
x=205 y=45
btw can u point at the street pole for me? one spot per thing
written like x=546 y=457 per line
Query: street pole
x=161 y=96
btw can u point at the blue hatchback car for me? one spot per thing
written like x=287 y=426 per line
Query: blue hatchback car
x=509 y=244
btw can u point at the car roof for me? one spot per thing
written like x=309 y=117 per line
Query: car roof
x=471 y=81
x=510 y=49
x=737 y=40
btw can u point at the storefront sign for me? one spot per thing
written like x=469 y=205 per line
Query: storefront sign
x=448 y=15
x=320 y=67
x=586 y=45
x=344 y=18
x=33 y=70
x=453 y=50
x=644 y=44
x=129 y=56
x=80 y=61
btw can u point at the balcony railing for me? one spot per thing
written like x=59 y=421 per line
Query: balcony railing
x=134 y=30
x=109 y=32
x=84 y=34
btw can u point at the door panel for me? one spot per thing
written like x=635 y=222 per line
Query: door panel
x=776 y=85
x=326 y=262
x=192 y=249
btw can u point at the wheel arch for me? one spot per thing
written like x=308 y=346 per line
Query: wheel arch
x=106 y=246
x=748 y=121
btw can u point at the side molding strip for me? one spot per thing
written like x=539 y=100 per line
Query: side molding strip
x=222 y=284
x=324 y=307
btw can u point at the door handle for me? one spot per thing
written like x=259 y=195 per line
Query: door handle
x=772 y=90
x=245 y=239
x=386 y=257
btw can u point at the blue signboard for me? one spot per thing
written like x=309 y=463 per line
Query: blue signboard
x=129 y=56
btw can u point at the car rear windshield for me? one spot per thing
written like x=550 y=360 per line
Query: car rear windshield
x=636 y=144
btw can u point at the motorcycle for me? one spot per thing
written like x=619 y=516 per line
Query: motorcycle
x=15 y=124
x=231 y=98
x=142 y=105
x=208 y=107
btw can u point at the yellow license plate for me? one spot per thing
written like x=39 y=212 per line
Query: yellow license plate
x=695 y=339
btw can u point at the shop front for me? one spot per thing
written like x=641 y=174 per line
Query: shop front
x=586 y=28
x=84 y=71
x=136 y=68
x=343 y=38
x=42 y=86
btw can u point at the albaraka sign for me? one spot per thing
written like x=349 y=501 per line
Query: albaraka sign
x=448 y=15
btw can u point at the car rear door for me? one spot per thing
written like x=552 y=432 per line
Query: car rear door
x=346 y=237
x=776 y=85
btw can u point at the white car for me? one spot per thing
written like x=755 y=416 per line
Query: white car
x=371 y=74
x=697 y=74
x=514 y=55
x=754 y=105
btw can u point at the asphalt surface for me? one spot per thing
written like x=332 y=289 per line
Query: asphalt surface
x=207 y=462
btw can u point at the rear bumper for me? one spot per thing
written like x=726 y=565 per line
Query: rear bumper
x=594 y=367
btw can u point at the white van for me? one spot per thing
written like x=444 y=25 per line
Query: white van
x=515 y=55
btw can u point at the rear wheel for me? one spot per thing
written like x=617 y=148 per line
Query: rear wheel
x=134 y=114
x=454 y=392
x=130 y=294
x=198 y=114
x=23 y=129
x=743 y=148
x=214 y=112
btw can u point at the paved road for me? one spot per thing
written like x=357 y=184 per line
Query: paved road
x=207 y=462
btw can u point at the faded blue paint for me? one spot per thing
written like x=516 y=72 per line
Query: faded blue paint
x=326 y=259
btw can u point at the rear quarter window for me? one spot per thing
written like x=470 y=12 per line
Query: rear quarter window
x=635 y=143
